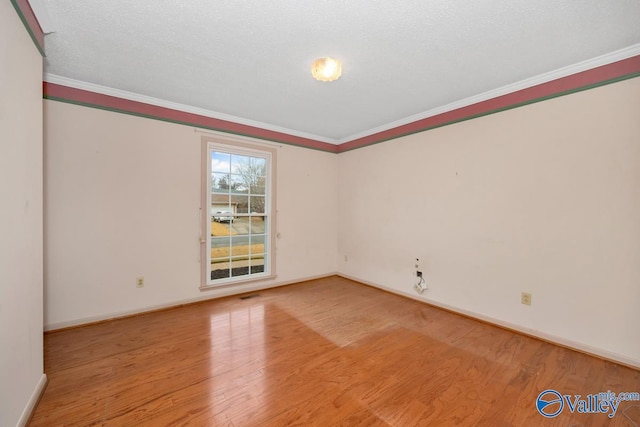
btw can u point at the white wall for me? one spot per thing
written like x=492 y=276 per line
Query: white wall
x=122 y=198
x=21 y=369
x=544 y=198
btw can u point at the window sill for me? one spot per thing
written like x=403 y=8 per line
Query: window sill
x=237 y=282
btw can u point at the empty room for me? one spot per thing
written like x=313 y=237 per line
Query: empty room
x=328 y=213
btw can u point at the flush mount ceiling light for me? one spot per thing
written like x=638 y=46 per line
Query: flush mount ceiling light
x=326 y=69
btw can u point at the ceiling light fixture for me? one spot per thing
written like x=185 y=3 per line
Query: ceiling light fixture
x=326 y=69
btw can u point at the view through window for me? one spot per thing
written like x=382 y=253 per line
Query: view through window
x=239 y=202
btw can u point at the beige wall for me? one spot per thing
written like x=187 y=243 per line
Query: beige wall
x=543 y=198
x=122 y=199
x=21 y=369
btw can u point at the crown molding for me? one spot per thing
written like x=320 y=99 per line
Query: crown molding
x=589 y=64
x=131 y=96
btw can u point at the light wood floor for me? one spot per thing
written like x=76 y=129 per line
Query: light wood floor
x=327 y=352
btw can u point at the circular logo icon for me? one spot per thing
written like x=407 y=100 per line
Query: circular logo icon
x=549 y=403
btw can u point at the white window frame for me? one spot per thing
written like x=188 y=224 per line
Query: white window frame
x=242 y=146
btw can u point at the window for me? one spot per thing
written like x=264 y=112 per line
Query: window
x=238 y=207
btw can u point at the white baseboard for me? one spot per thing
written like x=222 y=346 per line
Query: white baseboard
x=33 y=401
x=223 y=292
x=563 y=342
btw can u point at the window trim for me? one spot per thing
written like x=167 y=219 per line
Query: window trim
x=238 y=144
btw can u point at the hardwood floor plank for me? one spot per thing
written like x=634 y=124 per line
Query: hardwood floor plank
x=329 y=352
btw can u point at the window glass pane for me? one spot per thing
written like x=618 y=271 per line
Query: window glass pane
x=220 y=162
x=222 y=224
x=240 y=245
x=257 y=244
x=259 y=166
x=241 y=226
x=242 y=204
x=237 y=184
x=220 y=203
x=239 y=267
x=258 y=225
x=256 y=204
x=220 y=247
x=256 y=264
x=239 y=163
x=220 y=268
x=220 y=182
x=258 y=184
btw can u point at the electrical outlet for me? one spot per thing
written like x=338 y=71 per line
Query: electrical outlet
x=525 y=298
x=140 y=282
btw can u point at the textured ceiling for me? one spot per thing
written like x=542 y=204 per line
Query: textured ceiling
x=251 y=59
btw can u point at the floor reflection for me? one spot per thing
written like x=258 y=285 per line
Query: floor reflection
x=237 y=361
